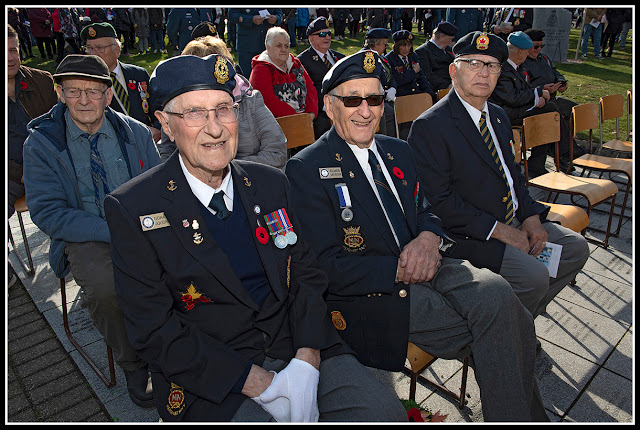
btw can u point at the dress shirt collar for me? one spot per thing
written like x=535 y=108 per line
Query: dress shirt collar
x=204 y=192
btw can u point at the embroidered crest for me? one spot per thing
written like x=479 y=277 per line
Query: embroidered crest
x=369 y=63
x=92 y=32
x=221 y=71
x=193 y=296
x=353 y=239
x=338 y=320
x=175 y=402
x=482 y=42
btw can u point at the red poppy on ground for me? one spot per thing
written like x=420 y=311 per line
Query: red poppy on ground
x=414 y=415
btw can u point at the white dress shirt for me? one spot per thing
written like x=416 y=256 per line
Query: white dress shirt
x=204 y=192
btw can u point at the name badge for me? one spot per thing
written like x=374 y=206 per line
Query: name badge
x=153 y=221
x=330 y=172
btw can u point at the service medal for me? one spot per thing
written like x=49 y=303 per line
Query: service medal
x=291 y=237
x=347 y=214
x=280 y=241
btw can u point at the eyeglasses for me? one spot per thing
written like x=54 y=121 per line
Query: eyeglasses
x=538 y=46
x=477 y=65
x=75 y=93
x=197 y=117
x=322 y=34
x=355 y=101
x=98 y=49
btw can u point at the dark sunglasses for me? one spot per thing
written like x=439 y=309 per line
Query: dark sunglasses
x=355 y=101
x=538 y=46
x=323 y=33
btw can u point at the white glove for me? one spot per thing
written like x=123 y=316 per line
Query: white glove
x=279 y=407
x=391 y=94
x=299 y=383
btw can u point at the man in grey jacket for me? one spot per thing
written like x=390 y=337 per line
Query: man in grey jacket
x=73 y=157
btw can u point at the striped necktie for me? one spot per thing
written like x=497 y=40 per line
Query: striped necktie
x=98 y=174
x=326 y=60
x=406 y=63
x=390 y=203
x=486 y=135
x=121 y=93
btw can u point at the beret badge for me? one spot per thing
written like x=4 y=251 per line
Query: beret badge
x=212 y=29
x=92 y=32
x=221 y=72
x=369 y=63
x=482 y=42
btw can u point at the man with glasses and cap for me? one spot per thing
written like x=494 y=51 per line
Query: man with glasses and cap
x=361 y=206
x=317 y=60
x=464 y=151
x=74 y=156
x=435 y=55
x=130 y=82
x=219 y=289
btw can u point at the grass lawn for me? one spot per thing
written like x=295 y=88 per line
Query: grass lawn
x=589 y=78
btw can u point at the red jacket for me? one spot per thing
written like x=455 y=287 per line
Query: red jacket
x=284 y=93
x=37 y=17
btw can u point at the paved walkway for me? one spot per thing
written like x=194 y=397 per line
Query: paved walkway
x=584 y=369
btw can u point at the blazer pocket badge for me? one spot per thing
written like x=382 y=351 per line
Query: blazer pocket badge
x=338 y=320
x=193 y=296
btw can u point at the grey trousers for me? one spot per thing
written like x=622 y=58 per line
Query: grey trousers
x=347 y=391
x=465 y=309
x=530 y=279
x=92 y=269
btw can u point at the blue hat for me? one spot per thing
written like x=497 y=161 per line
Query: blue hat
x=362 y=64
x=478 y=42
x=378 y=33
x=185 y=73
x=401 y=35
x=520 y=39
x=317 y=25
x=445 y=27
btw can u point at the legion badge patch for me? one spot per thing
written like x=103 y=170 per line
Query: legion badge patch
x=221 y=71
x=193 y=296
x=338 y=320
x=482 y=42
x=369 y=63
x=175 y=402
x=353 y=239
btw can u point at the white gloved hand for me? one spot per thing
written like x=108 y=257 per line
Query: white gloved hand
x=278 y=407
x=391 y=94
x=299 y=383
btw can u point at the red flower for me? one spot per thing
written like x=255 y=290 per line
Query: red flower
x=414 y=415
x=24 y=85
x=140 y=164
x=399 y=173
x=262 y=235
x=132 y=86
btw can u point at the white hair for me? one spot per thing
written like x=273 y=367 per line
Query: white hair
x=272 y=32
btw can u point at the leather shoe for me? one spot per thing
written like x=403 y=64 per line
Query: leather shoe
x=139 y=387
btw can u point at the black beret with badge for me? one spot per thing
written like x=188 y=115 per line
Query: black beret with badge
x=205 y=28
x=445 y=27
x=185 y=73
x=378 y=33
x=535 y=34
x=402 y=35
x=98 y=30
x=83 y=66
x=317 y=25
x=362 y=64
x=478 y=42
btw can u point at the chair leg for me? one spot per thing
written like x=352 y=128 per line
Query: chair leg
x=28 y=265
x=463 y=385
x=417 y=376
x=112 y=371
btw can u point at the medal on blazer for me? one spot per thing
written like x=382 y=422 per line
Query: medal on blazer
x=143 y=96
x=280 y=228
x=345 y=201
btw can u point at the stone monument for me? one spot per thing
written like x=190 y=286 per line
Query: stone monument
x=556 y=24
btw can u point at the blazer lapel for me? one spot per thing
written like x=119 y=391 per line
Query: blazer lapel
x=359 y=187
x=181 y=213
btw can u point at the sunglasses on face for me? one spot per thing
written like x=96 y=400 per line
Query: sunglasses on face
x=323 y=34
x=538 y=46
x=355 y=101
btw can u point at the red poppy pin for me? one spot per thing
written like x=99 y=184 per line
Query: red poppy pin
x=399 y=173
x=141 y=164
x=24 y=85
x=131 y=86
x=262 y=235
x=192 y=296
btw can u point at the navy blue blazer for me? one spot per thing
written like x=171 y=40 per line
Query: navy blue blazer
x=407 y=80
x=204 y=349
x=137 y=82
x=360 y=256
x=317 y=69
x=462 y=180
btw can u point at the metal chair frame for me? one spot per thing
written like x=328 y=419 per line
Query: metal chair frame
x=20 y=206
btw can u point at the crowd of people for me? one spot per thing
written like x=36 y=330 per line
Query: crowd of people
x=234 y=284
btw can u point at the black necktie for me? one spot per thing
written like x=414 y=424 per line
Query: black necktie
x=218 y=205
x=98 y=174
x=390 y=203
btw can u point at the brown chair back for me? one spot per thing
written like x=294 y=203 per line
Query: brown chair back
x=298 y=129
x=585 y=117
x=517 y=144
x=409 y=107
x=541 y=129
x=612 y=106
x=443 y=92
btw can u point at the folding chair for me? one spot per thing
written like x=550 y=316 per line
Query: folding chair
x=612 y=107
x=629 y=113
x=443 y=92
x=419 y=361
x=543 y=129
x=408 y=108
x=298 y=129
x=21 y=206
x=65 y=321
x=585 y=117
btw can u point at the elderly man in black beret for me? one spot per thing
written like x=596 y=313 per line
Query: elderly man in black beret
x=130 y=82
x=464 y=150
x=362 y=208
x=74 y=156
x=435 y=55
x=220 y=295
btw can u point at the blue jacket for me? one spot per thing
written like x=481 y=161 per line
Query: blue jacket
x=180 y=24
x=52 y=186
x=250 y=37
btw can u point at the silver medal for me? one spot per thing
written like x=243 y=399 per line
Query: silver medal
x=347 y=214
x=291 y=237
x=281 y=241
